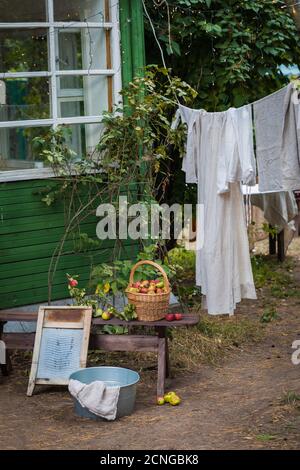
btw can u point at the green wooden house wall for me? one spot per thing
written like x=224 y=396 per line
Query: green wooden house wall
x=29 y=230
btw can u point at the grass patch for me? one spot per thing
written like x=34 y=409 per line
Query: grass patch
x=265 y=437
x=283 y=292
x=211 y=339
x=266 y=271
x=291 y=398
x=269 y=315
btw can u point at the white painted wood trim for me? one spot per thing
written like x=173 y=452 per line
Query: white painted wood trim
x=52 y=62
x=32 y=174
x=61 y=73
x=116 y=52
x=51 y=122
x=57 y=73
x=28 y=123
x=56 y=24
x=26 y=175
x=5 y=75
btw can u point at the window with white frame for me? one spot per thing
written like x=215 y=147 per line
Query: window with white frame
x=59 y=65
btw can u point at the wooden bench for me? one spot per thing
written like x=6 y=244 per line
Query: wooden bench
x=155 y=342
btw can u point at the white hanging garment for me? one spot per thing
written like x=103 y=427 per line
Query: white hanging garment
x=278 y=141
x=219 y=154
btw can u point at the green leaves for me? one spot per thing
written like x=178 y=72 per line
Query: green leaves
x=231 y=51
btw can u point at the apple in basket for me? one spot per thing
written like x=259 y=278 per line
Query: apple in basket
x=151 y=289
x=136 y=285
x=160 y=285
x=133 y=290
x=144 y=290
x=145 y=284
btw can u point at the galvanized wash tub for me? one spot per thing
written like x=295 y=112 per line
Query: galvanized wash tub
x=126 y=379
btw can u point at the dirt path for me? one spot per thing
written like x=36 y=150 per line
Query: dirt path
x=239 y=405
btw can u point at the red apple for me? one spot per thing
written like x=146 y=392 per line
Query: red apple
x=136 y=285
x=170 y=317
x=159 y=291
x=73 y=283
x=144 y=290
x=178 y=316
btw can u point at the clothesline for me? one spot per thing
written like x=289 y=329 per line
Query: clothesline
x=268 y=96
x=247 y=104
x=219 y=155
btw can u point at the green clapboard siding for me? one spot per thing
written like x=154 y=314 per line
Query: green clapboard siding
x=30 y=231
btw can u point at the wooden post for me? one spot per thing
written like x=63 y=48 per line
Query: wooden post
x=126 y=53
x=137 y=37
x=280 y=246
x=272 y=242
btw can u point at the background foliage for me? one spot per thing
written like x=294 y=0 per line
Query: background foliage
x=230 y=51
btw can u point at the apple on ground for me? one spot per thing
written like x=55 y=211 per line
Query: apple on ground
x=160 y=400
x=168 y=396
x=172 y=398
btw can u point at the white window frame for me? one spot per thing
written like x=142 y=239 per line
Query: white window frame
x=51 y=25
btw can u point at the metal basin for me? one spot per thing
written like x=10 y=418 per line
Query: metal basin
x=126 y=379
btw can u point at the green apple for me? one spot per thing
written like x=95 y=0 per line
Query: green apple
x=99 y=312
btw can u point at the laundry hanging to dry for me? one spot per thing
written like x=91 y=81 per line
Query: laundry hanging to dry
x=219 y=157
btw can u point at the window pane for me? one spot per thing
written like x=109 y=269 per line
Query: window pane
x=23 y=99
x=81 y=49
x=91 y=99
x=83 y=138
x=22 y=11
x=17 y=149
x=79 y=10
x=23 y=50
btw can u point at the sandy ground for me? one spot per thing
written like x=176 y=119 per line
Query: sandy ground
x=237 y=405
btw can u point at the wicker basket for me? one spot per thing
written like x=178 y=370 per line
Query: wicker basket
x=150 y=307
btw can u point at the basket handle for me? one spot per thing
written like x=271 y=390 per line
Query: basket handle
x=155 y=265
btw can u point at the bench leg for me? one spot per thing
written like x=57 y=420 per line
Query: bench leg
x=7 y=367
x=162 y=333
x=161 y=367
x=168 y=372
